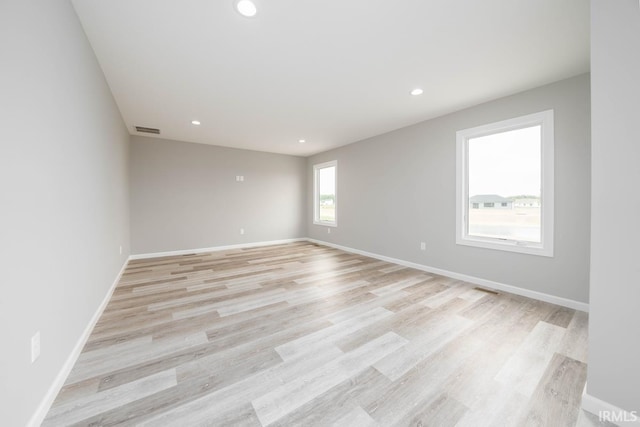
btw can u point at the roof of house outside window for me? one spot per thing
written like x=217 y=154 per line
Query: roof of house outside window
x=489 y=198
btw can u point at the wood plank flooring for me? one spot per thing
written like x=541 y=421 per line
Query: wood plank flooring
x=301 y=334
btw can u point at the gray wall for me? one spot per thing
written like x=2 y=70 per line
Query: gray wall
x=398 y=189
x=185 y=196
x=614 y=349
x=63 y=183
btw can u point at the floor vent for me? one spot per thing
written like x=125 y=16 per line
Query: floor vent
x=147 y=130
x=489 y=291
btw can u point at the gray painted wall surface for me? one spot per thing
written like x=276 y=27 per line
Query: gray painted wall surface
x=185 y=196
x=614 y=349
x=398 y=189
x=63 y=182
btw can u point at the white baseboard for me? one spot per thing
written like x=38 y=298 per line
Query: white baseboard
x=215 y=248
x=53 y=391
x=576 y=305
x=608 y=412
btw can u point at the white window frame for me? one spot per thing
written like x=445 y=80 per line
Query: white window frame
x=545 y=247
x=316 y=193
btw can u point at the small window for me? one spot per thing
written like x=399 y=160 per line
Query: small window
x=325 y=194
x=507 y=164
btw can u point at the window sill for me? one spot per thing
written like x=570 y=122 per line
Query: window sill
x=325 y=224
x=506 y=246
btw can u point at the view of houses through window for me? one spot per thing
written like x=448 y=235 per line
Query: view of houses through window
x=325 y=193
x=504 y=179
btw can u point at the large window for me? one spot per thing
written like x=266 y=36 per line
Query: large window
x=325 y=197
x=505 y=185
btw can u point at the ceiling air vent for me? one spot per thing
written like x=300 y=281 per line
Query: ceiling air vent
x=147 y=130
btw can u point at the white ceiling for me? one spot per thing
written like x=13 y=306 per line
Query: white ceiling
x=331 y=71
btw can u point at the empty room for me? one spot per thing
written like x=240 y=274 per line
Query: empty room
x=319 y=213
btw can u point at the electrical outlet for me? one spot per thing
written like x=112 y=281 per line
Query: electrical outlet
x=120 y=249
x=423 y=246
x=242 y=231
x=35 y=346
x=328 y=231
x=240 y=178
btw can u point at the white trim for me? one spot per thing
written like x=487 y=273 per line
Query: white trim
x=45 y=404
x=544 y=119
x=565 y=302
x=215 y=248
x=316 y=193
x=596 y=407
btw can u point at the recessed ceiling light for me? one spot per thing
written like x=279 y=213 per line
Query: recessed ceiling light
x=246 y=8
x=302 y=141
x=195 y=122
x=417 y=92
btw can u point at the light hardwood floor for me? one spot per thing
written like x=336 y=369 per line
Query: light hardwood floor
x=301 y=334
